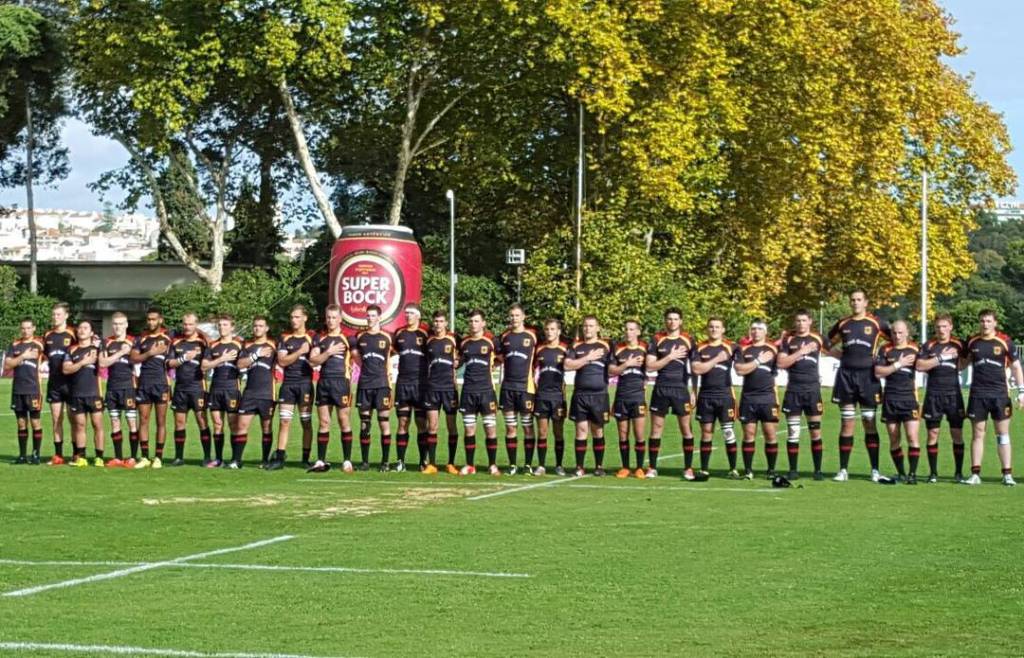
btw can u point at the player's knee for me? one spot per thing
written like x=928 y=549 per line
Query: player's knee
x=728 y=432
x=867 y=415
x=469 y=420
x=511 y=420
x=403 y=412
x=1002 y=439
x=287 y=415
x=814 y=425
x=847 y=413
x=490 y=420
x=793 y=428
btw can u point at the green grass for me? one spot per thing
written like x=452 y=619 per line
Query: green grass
x=655 y=567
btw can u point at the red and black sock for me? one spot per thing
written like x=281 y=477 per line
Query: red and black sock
x=542 y=451
x=624 y=452
x=323 y=439
x=845 y=448
x=897 y=460
x=453 y=447
x=793 y=453
x=364 y=448
x=99 y=452
x=639 y=449
x=771 y=454
x=58 y=448
x=730 y=452
x=23 y=442
x=144 y=448
x=238 y=442
x=530 y=442
x=933 y=458
x=817 y=449
x=599 y=451
x=431 y=448
x=581 y=452
x=37 y=441
x=469 y=444
x=179 y=444
x=872 y=443
x=976 y=469
x=913 y=457
x=117 y=438
x=266 y=446
x=306 y=450
x=402 y=445
x=1007 y=471
x=512 y=449
x=958 y=458
x=159 y=450
x=204 y=441
x=687 y=452
x=421 y=444
x=705 y=454
x=218 y=447
x=385 y=448
x=346 y=446
x=133 y=443
x=492 y=450
x=748 y=456
x=559 y=451
x=653 y=450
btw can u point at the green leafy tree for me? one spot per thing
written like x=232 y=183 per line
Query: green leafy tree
x=256 y=237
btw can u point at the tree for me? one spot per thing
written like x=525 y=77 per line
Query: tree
x=256 y=236
x=185 y=211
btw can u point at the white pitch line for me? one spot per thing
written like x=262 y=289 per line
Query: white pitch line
x=525 y=488
x=691 y=488
x=274 y=567
x=28 y=591
x=408 y=483
x=143 y=651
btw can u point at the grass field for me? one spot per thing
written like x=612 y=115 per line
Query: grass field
x=196 y=562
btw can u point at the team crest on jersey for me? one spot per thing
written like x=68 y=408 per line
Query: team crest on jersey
x=447 y=349
x=526 y=342
x=867 y=330
x=483 y=350
x=419 y=340
x=559 y=358
x=67 y=341
x=997 y=350
x=380 y=344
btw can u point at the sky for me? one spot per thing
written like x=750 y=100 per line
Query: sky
x=989 y=30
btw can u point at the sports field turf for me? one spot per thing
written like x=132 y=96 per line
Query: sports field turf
x=372 y=564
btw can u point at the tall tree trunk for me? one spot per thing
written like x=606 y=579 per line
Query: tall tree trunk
x=401 y=170
x=33 y=249
x=302 y=153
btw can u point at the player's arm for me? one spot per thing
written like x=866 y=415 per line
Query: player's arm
x=575 y=363
x=704 y=367
x=13 y=361
x=616 y=368
x=787 y=359
x=284 y=359
x=248 y=357
x=137 y=355
x=318 y=356
x=746 y=367
x=1018 y=379
x=208 y=361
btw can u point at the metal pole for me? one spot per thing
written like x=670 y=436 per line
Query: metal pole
x=33 y=252
x=579 y=212
x=924 y=256
x=821 y=318
x=519 y=284
x=450 y=195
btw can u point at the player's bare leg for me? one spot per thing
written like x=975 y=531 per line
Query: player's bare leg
x=871 y=439
x=686 y=431
x=78 y=439
x=145 y=411
x=161 y=428
x=490 y=422
x=707 y=432
x=468 y=444
x=957 y=435
x=306 y=421
x=748 y=449
x=284 y=426
x=771 y=445
x=580 y=445
x=57 y=420
x=847 y=423
x=218 y=417
x=98 y=436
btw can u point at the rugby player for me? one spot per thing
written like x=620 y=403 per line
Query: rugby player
x=668 y=355
x=296 y=390
x=185 y=357
x=411 y=385
x=942 y=358
x=591 y=358
x=900 y=411
x=333 y=389
x=257 y=361
x=759 y=402
x=477 y=352
x=516 y=349
x=855 y=341
x=991 y=352
x=712 y=361
x=58 y=341
x=800 y=353
x=119 y=399
x=549 y=407
x=81 y=365
x=372 y=349
x=221 y=358
x=442 y=354
x=24 y=357
x=630 y=405
x=153 y=390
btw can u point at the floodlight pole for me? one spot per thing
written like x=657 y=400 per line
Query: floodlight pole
x=450 y=195
x=924 y=256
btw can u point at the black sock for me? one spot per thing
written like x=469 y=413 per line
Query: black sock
x=542 y=451
x=204 y=441
x=179 y=444
x=730 y=452
x=133 y=443
x=793 y=453
x=99 y=453
x=117 y=438
x=431 y=441
x=872 y=443
x=23 y=443
x=817 y=449
x=913 y=457
x=401 y=445
x=159 y=452
x=385 y=448
x=559 y=451
x=653 y=450
x=453 y=447
x=280 y=455
x=266 y=445
x=346 y=446
x=530 y=442
x=748 y=456
x=492 y=450
x=581 y=452
x=469 y=444
x=624 y=452
x=238 y=447
x=705 y=454
x=37 y=442
x=933 y=458
x=845 y=448
x=897 y=460
x=421 y=445
x=958 y=458
x=512 y=449
x=639 y=448
x=323 y=439
x=688 y=452
x=771 y=454
x=306 y=451
x=143 y=448
x=599 y=451
x=58 y=448
x=218 y=446
x=364 y=447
